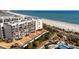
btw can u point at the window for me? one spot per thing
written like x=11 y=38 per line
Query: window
x=29 y=18
x=13 y=27
x=38 y=23
x=14 y=19
x=6 y=20
x=0 y=20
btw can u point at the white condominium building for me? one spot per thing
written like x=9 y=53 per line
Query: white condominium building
x=15 y=26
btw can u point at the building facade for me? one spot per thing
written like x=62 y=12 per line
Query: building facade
x=17 y=26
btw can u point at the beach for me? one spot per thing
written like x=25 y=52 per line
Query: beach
x=62 y=25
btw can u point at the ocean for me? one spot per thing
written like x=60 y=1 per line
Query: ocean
x=65 y=16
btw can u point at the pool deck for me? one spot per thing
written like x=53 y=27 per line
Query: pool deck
x=24 y=40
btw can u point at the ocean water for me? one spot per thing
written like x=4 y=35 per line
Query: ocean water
x=65 y=16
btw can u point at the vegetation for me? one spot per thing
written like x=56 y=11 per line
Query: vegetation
x=16 y=45
x=37 y=42
x=1 y=39
x=8 y=41
x=72 y=37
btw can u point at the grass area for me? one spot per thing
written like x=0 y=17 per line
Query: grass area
x=38 y=42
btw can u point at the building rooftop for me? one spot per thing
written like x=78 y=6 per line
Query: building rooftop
x=13 y=23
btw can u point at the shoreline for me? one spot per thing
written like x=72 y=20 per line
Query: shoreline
x=62 y=25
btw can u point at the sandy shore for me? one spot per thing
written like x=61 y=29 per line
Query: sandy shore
x=62 y=25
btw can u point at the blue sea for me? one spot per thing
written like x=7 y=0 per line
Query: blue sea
x=65 y=16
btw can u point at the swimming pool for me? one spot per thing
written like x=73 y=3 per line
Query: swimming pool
x=64 y=46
